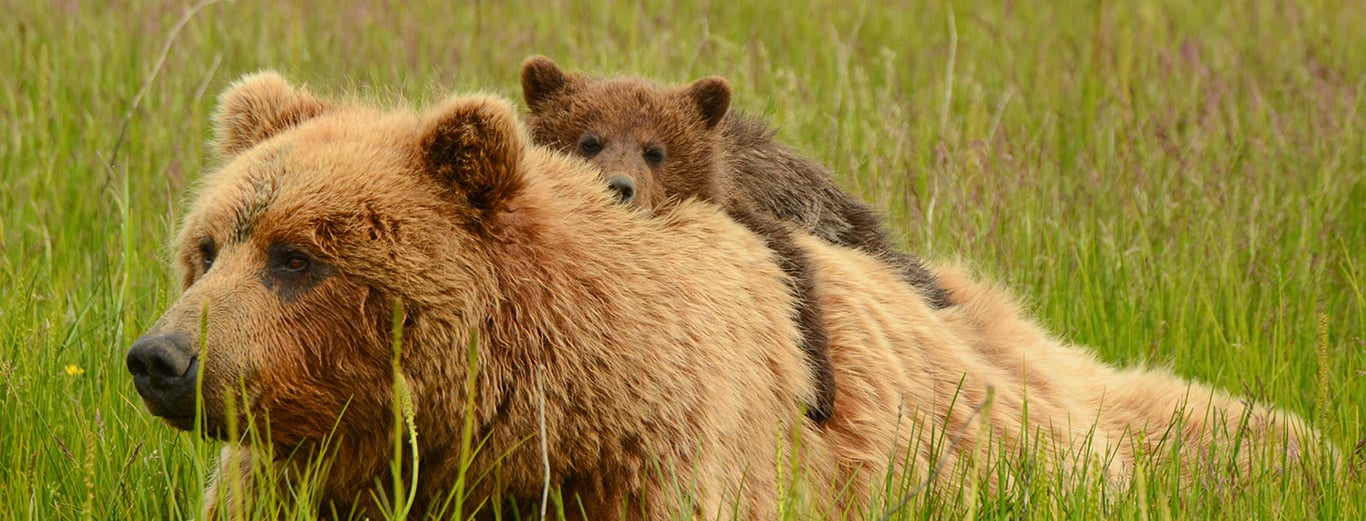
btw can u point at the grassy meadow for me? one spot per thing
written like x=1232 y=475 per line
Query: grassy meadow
x=1176 y=183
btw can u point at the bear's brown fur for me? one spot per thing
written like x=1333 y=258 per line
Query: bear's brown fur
x=645 y=367
x=654 y=357
x=733 y=160
x=657 y=147
x=704 y=150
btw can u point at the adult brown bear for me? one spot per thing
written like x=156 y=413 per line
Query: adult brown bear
x=654 y=358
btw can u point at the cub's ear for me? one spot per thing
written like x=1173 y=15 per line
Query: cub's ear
x=712 y=97
x=473 y=146
x=257 y=107
x=542 y=80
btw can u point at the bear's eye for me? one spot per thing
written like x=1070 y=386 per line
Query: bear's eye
x=653 y=154
x=208 y=251
x=291 y=270
x=298 y=263
x=288 y=262
x=589 y=145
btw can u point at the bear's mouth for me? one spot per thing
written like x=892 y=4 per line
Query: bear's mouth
x=210 y=424
x=207 y=428
x=184 y=423
x=205 y=424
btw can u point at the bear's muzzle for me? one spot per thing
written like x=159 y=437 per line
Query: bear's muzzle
x=164 y=370
x=623 y=187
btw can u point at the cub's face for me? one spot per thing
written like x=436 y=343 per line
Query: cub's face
x=296 y=252
x=652 y=144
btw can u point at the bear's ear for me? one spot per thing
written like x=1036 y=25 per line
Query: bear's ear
x=712 y=97
x=542 y=81
x=257 y=107
x=473 y=146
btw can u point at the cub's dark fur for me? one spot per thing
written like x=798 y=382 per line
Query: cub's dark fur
x=657 y=145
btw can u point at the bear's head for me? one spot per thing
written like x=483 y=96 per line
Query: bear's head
x=653 y=144
x=299 y=249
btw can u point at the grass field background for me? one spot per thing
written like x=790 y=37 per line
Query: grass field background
x=1174 y=183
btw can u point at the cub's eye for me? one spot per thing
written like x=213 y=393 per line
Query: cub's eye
x=589 y=145
x=208 y=251
x=653 y=154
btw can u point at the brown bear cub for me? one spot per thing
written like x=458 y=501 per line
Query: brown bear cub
x=657 y=145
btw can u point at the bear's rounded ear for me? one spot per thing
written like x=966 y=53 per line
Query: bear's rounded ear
x=259 y=106
x=542 y=80
x=712 y=97
x=473 y=146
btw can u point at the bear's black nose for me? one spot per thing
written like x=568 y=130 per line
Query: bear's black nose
x=164 y=371
x=624 y=188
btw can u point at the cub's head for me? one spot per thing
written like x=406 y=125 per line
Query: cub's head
x=652 y=144
x=322 y=218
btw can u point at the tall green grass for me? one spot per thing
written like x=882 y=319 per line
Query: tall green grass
x=1174 y=183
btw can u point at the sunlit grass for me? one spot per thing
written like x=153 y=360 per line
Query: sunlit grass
x=1174 y=183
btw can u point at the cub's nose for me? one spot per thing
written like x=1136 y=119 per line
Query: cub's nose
x=624 y=187
x=164 y=371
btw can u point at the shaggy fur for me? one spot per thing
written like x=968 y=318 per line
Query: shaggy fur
x=732 y=160
x=667 y=146
x=673 y=144
x=657 y=352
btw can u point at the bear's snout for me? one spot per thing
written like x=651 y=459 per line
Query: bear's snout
x=164 y=371
x=623 y=187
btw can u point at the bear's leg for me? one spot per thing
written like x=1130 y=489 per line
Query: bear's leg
x=815 y=341
x=230 y=485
